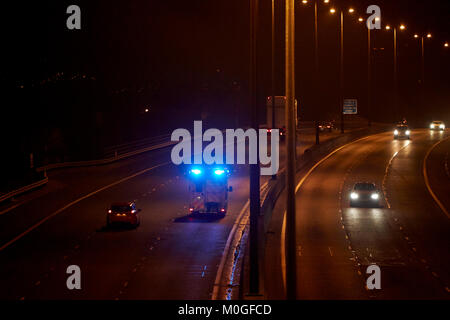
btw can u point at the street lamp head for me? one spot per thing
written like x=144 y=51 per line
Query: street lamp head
x=351 y=10
x=326 y=1
x=402 y=27
x=304 y=1
x=360 y=19
x=429 y=35
x=446 y=44
x=388 y=27
x=416 y=36
x=332 y=10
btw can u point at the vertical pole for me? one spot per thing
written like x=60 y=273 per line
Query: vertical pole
x=254 y=168
x=422 y=71
x=341 y=73
x=395 y=74
x=273 y=70
x=316 y=72
x=369 y=77
x=291 y=277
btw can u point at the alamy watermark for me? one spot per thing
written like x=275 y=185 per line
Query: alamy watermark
x=235 y=147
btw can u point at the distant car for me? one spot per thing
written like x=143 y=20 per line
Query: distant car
x=123 y=212
x=282 y=131
x=402 y=131
x=328 y=126
x=437 y=125
x=365 y=194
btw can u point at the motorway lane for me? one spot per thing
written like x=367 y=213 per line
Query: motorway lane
x=438 y=169
x=67 y=185
x=165 y=250
x=168 y=256
x=424 y=224
x=336 y=243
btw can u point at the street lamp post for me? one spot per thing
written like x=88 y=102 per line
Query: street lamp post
x=341 y=65
x=422 y=65
x=341 y=72
x=291 y=276
x=316 y=70
x=369 y=77
x=274 y=176
x=395 y=71
x=316 y=67
x=254 y=168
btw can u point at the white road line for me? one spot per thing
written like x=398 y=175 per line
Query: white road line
x=75 y=202
x=283 y=227
x=331 y=252
x=386 y=172
x=427 y=183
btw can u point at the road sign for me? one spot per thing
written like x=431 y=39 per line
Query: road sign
x=350 y=106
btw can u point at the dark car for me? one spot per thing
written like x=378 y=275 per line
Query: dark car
x=402 y=132
x=123 y=212
x=326 y=126
x=437 y=125
x=365 y=194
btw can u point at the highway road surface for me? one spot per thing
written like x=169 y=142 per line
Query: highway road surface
x=170 y=256
x=408 y=237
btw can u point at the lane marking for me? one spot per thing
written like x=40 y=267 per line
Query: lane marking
x=386 y=172
x=13 y=207
x=425 y=176
x=329 y=249
x=77 y=201
x=302 y=180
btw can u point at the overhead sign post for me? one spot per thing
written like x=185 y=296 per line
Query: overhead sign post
x=350 y=106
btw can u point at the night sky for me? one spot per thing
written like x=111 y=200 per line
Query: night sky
x=78 y=91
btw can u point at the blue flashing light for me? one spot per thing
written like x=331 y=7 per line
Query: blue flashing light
x=196 y=171
x=219 y=171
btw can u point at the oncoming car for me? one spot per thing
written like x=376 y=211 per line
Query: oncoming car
x=402 y=131
x=437 y=125
x=327 y=125
x=123 y=212
x=365 y=194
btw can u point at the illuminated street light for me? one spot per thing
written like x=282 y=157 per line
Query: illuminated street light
x=446 y=44
x=304 y=1
x=326 y=1
x=333 y=10
x=351 y=10
x=416 y=36
x=402 y=27
x=360 y=19
x=429 y=35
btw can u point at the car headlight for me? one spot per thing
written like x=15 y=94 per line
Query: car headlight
x=442 y=126
x=396 y=132
x=431 y=126
x=374 y=196
x=354 y=195
x=407 y=132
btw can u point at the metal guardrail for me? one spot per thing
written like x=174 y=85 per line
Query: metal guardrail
x=24 y=189
x=117 y=155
